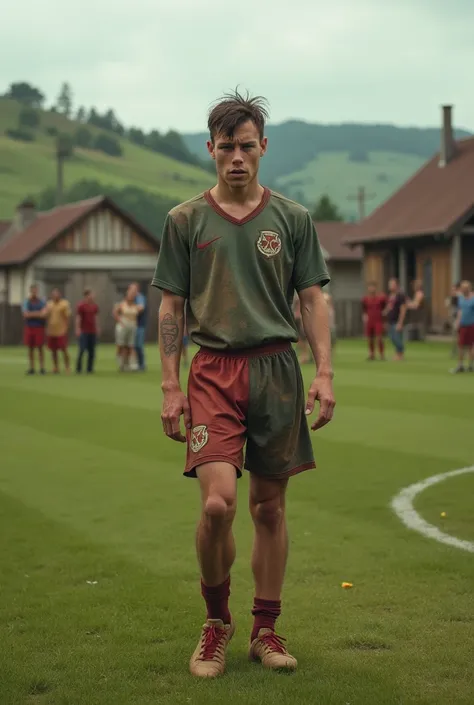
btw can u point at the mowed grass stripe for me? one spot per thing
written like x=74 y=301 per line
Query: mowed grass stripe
x=95 y=404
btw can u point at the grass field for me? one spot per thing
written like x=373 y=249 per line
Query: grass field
x=100 y=600
x=29 y=167
x=332 y=173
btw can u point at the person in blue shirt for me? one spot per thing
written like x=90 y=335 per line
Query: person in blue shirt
x=33 y=310
x=465 y=327
x=140 y=300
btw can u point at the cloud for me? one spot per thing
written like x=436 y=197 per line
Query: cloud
x=160 y=64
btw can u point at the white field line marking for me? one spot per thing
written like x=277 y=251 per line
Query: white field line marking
x=402 y=505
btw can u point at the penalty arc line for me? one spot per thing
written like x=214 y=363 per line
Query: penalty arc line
x=402 y=505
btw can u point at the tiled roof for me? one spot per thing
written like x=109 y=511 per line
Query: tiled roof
x=332 y=236
x=433 y=201
x=48 y=225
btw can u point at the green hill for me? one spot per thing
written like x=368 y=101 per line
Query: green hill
x=305 y=161
x=30 y=167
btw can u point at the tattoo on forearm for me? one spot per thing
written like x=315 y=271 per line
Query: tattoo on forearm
x=169 y=332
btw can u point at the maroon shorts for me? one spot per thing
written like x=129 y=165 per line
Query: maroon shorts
x=374 y=329
x=466 y=336
x=33 y=337
x=57 y=342
x=252 y=397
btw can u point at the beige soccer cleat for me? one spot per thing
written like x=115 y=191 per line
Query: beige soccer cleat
x=208 y=659
x=269 y=649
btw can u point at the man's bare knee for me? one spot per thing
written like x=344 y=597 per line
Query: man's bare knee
x=219 y=508
x=268 y=513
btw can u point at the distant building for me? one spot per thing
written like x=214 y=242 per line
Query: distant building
x=344 y=262
x=426 y=229
x=92 y=243
x=347 y=282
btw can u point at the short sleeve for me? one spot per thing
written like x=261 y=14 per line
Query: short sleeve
x=79 y=309
x=25 y=307
x=309 y=267
x=172 y=268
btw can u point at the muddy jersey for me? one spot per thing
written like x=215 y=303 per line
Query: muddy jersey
x=239 y=276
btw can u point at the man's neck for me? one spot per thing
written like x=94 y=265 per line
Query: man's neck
x=222 y=193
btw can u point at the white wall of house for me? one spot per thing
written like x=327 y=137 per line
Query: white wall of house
x=346 y=280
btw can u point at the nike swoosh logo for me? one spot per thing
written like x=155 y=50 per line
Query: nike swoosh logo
x=202 y=245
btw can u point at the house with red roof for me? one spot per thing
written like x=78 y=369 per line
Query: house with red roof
x=90 y=244
x=425 y=231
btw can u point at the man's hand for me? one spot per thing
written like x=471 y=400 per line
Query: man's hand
x=175 y=403
x=321 y=389
x=78 y=332
x=399 y=327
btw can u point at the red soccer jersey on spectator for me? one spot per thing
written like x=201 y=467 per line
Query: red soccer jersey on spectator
x=374 y=306
x=87 y=313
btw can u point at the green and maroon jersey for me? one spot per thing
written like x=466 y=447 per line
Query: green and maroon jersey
x=239 y=276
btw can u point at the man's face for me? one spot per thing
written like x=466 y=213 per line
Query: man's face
x=55 y=294
x=371 y=289
x=466 y=289
x=393 y=286
x=34 y=292
x=237 y=159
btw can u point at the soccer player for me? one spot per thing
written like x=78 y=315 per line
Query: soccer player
x=33 y=334
x=87 y=330
x=235 y=255
x=140 y=300
x=395 y=312
x=465 y=327
x=58 y=315
x=452 y=304
x=373 y=307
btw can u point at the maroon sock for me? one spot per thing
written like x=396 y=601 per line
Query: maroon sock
x=217 y=600
x=265 y=613
x=371 y=346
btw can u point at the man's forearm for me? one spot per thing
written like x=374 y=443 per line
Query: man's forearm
x=315 y=315
x=171 y=328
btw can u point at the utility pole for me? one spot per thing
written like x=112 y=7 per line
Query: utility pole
x=362 y=197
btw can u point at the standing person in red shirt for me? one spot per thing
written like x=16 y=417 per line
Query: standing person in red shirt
x=87 y=330
x=373 y=306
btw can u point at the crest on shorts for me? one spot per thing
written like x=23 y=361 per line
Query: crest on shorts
x=269 y=243
x=199 y=438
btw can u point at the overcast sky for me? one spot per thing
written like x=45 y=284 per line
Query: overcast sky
x=160 y=63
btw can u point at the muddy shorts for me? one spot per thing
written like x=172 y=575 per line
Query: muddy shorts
x=252 y=397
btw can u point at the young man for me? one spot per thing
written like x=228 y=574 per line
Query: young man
x=395 y=312
x=452 y=304
x=373 y=307
x=87 y=330
x=140 y=300
x=465 y=327
x=235 y=254
x=33 y=333
x=58 y=315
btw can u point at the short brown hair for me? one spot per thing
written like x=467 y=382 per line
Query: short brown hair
x=87 y=292
x=232 y=110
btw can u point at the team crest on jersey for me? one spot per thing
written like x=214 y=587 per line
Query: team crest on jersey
x=269 y=243
x=199 y=438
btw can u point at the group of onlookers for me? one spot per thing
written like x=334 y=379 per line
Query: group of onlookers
x=48 y=322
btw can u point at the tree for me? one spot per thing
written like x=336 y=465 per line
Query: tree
x=107 y=144
x=81 y=114
x=64 y=101
x=136 y=136
x=26 y=94
x=83 y=137
x=64 y=146
x=28 y=117
x=325 y=210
